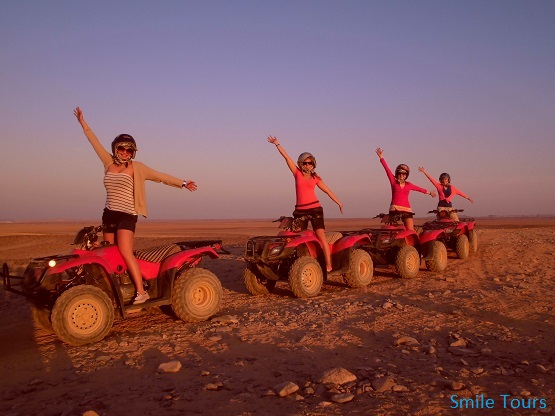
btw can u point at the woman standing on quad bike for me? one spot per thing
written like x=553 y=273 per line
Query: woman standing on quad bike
x=306 y=180
x=446 y=192
x=400 y=189
x=124 y=180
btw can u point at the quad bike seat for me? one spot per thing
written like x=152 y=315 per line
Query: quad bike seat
x=332 y=237
x=157 y=254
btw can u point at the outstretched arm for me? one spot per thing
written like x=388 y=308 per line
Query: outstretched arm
x=292 y=166
x=421 y=169
x=102 y=153
x=80 y=118
x=332 y=196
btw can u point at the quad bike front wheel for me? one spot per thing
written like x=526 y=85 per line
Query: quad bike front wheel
x=306 y=277
x=438 y=261
x=361 y=269
x=407 y=262
x=82 y=314
x=462 y=247
x=256 y=284
x=473 y=242
x=197 y=295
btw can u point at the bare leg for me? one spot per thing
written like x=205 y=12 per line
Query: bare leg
x=321 y=234
x=409 y=223
x=126 y=240
x=109 y=237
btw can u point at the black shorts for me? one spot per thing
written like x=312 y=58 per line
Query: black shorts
x=117 y=220
x=314 y=215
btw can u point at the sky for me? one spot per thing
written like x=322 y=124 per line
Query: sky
x=464 y=87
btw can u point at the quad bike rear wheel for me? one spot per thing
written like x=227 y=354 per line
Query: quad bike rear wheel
x=361 y=269
x=462 y=247
x=82 y=314
x=197 y=295
x=407 y=262
x=306 y=277
x=256 y=284
x=473 y=242
x=438 y=261
x=41 y=316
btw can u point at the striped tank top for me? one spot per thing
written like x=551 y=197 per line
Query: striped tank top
x=119 y=192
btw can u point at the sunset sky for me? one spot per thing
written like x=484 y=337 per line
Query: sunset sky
x=465 y=87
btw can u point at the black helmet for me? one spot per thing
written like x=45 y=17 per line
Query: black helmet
x=402 y=168
x=445 y=176
x=124 y=140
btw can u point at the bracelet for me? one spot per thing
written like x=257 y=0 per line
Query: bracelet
x=278 y=145
x=184 y=185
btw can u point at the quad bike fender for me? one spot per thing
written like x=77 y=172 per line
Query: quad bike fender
x=410 y=237
x=308 y=248
x=349 y=242
x=431 y=235
x=62 y=267
x=192 y=256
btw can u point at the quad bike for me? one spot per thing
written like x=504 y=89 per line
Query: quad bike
x=76 y=295
x=296 y=255
x=460 y=236
x=393 y=244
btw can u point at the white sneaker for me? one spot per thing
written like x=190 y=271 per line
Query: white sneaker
x=141 y=298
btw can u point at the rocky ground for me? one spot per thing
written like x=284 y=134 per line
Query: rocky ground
x=480 y=335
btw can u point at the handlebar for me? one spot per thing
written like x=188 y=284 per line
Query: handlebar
x=435 y=211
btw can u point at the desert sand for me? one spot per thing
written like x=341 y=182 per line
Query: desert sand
x=477 y=338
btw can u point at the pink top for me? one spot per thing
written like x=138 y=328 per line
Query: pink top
x=400 y=194
x=441 y=192
x=304 y=188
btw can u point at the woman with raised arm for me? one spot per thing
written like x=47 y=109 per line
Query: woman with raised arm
x=124 y=180
x=306 y=180
x=446 y=192
x=400 y=190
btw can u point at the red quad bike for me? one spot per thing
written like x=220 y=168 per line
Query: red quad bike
x=76 y=295
x=297 y=256
x=393 y=244
x=460 y=236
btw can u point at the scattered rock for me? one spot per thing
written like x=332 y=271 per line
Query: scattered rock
x=341 y=397
x=338 y=376
x=383 y=384
x=226 y=319
x=169 y=367
x=410 y=341
x=286 y=388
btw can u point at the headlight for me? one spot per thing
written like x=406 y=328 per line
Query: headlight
x=51 y=263
x=276 y=251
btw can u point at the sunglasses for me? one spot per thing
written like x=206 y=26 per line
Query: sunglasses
x=125 y=149
x=307 y=163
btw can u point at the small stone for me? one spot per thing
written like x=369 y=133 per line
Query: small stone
x=211 y=387
x=456 y=385
x=286 y=388
x=226 y=319
x=170 y=367
x=461 y=342
x=541 y=369
x=383 y=384
x=338 y=376
x=410 y=341
x=399 y=388
x=341 y=397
